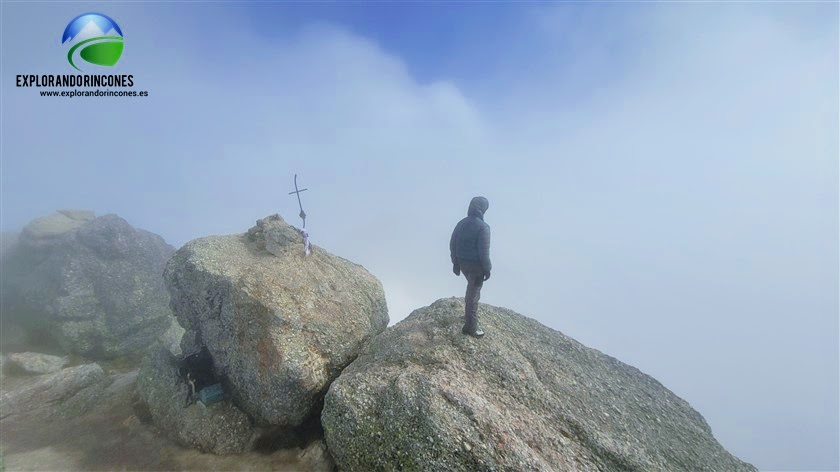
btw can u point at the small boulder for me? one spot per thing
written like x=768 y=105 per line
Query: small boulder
x=316 y=457
x=35 y=363
x=44 y=229
x=44 y=391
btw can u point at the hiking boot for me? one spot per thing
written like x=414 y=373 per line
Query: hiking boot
x=477 y=334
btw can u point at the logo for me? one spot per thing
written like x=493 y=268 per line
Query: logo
x=93 y=38
x=93 y=41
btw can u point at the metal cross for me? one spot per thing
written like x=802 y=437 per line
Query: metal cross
x=297 y=192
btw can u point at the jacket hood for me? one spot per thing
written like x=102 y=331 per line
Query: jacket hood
x=478 y=206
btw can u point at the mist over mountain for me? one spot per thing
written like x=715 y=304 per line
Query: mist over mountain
x=85 y=285
x=284 y=352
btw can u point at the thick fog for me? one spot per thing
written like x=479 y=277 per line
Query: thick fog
x=662 y=178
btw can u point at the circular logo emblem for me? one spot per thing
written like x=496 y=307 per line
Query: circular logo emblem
x=93 y=38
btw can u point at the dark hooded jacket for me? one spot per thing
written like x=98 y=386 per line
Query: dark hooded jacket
x=470 y=240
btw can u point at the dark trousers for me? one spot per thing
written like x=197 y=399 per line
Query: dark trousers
x=475 y=280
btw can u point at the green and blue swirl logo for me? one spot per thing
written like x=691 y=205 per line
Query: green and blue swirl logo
x=95 y=37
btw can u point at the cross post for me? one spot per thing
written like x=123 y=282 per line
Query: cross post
x=297 y=192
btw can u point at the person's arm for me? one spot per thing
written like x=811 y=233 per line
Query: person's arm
x=452 y=246
x=484 y=250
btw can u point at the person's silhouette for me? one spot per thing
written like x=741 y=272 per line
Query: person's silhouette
x=469 y=249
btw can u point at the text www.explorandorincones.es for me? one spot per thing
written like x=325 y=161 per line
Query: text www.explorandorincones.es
x=94 y=93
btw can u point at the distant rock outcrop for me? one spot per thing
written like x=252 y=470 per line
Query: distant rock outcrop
x=93 y=286
x=45 y=229
x=525 y=397
x=279 y=326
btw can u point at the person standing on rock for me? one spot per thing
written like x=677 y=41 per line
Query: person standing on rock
x=469 y=249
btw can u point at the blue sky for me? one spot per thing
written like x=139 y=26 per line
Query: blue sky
x=663 y=177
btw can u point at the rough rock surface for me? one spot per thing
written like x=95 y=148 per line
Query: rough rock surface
x=525 y=397
x=93 y=286
x=221 y=428
x=279 y=325
x=42 y=230
x=70 y=386
x=171 y=338
x=36 y=363
x=104 y=426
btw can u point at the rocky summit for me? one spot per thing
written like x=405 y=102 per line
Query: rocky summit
x=525 y=397
x=279 y=326
x=91 y=286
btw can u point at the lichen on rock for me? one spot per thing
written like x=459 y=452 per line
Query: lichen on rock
x=279 y=325
x=423 y=396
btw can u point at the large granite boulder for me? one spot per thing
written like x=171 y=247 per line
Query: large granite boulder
x=93 y=286
x=524 y=397
x=278 y=325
